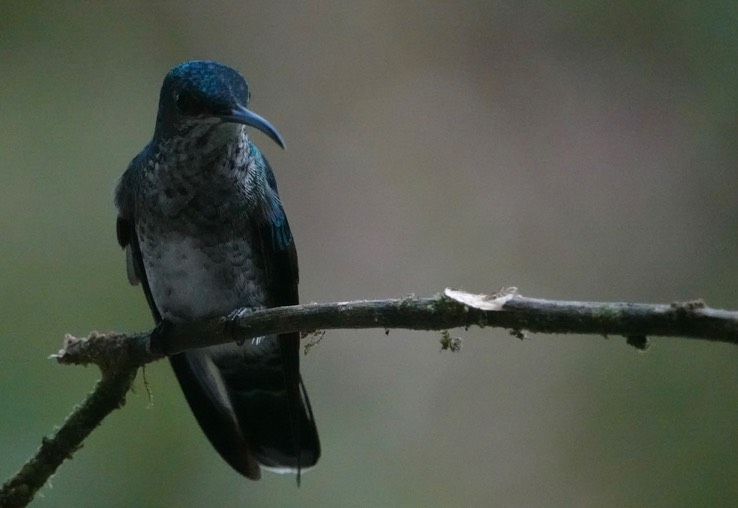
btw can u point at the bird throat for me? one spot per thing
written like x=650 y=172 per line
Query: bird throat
x=214 y=139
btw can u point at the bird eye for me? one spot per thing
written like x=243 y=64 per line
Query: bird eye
x=188 y=103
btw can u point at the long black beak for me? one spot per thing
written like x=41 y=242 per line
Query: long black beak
x=240 y=114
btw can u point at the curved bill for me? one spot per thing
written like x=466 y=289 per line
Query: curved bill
x=239 y=114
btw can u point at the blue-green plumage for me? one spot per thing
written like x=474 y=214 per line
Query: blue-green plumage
x=205 y=233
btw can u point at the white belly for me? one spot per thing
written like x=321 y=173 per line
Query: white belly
x=189 y=281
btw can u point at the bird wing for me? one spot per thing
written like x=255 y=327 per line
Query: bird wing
x=280 y=257
x=125 y=228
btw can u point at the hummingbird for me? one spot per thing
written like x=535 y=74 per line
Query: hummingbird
x=205 y=233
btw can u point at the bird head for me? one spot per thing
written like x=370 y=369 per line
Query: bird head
x=206 y=93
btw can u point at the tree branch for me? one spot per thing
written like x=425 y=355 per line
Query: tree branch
x=120 y=355
x=109 y=394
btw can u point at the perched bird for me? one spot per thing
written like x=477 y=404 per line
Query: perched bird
x=205 y=233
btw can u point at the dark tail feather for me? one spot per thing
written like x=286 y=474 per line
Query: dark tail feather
x=215 y=420
x=245 y=411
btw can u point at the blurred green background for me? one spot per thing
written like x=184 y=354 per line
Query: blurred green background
x=577 y=150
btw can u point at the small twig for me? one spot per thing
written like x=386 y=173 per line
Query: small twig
x=109 y=394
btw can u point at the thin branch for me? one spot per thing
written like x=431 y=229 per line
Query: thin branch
x=120 y=355
x=691 y=320
x=109 y=394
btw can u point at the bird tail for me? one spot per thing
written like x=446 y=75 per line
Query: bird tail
x=252 y=405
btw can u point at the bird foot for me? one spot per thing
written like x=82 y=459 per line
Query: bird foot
x=159 y=338
x=231 y=326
